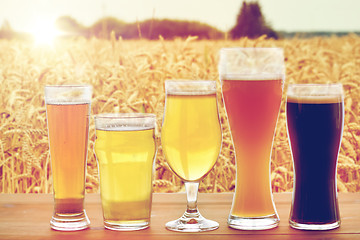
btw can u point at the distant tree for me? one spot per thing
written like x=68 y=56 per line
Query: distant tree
x=170 y=29
x=251 y=23
x=149 y=29
x=69 y=25
x=6 y=26
x=6 y=30
x=105 y=26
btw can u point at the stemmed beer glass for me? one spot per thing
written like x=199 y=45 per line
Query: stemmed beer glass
x=191 y=140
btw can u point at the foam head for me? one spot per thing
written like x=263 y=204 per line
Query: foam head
x=125 y=121
x=315 y=93
x=251 y=63
x=68 y=94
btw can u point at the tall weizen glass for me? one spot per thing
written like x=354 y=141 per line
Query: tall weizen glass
x=191 y=140
x=315 y=120
x=252 y=84
x=125 y=149
x=68 y=111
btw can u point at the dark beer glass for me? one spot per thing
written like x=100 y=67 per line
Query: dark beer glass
x=315 y=119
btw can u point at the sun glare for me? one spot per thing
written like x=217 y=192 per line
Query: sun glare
x=44 y=32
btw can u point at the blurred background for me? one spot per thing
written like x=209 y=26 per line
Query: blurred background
x=127 y=49
x=207 y=19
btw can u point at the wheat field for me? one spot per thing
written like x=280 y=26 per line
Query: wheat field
x=128 y=76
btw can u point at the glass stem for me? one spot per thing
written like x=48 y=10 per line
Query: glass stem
x=191 y=195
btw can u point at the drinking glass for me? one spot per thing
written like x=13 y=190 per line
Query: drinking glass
x=125 y=149
x=68 y=111
x=252 y=83
x=191 y=140
x=315 y=120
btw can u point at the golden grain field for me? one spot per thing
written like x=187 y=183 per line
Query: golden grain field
x=129 y=76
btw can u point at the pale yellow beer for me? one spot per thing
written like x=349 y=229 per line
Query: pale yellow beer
x=125 y=155
x=191 y=134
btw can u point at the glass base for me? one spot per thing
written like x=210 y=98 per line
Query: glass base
x=311 y=226
x=116 y=226
x=255 y=223
x=69 y=222
x=192 y=223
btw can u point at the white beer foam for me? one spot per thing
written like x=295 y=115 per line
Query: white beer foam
x=68 y=94
x=190 y=87
x=125 y=121
x=315 y=93
x=247 y=63
x=116 y=128
x=66 y=102
x=251 y=77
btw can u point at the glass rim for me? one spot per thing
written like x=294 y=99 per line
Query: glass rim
x=124 y=115
x=68 y=94
x=316 y=86
x=251 y=48
x=190 y=87
x=251 y=63
x=69 y=86
x=124 y=121
x=252 y=77
x=205 y=81
x=315 y=92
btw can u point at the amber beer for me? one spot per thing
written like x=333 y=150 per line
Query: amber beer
x=68 y=109
x=252 y=108
x=252 y=95
x=315 y=119
x=125 y=149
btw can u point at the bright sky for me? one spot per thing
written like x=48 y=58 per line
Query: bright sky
x=288 y=15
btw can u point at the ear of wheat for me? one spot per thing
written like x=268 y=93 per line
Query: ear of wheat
x=129 y=76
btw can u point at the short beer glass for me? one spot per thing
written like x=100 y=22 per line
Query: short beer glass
x=68 y=111
x=252 y=83
x=125 y=150
x=315 y=119
x=191 y=140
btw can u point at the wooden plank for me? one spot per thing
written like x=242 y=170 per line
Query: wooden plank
x=27 y=216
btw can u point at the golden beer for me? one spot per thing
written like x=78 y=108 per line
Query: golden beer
x=191 y=141
x=188 y=118
x=68 y=126
x=125 y=155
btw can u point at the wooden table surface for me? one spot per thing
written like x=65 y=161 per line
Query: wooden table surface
x=27 y=216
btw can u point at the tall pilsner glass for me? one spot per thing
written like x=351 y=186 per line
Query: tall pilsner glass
x=252 y=84
x=191 y=140
x=315 y=120
x=68 y=110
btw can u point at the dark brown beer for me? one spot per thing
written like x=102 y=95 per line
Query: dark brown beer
x=315 y=130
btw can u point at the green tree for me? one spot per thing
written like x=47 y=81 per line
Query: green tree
x=251 y=23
